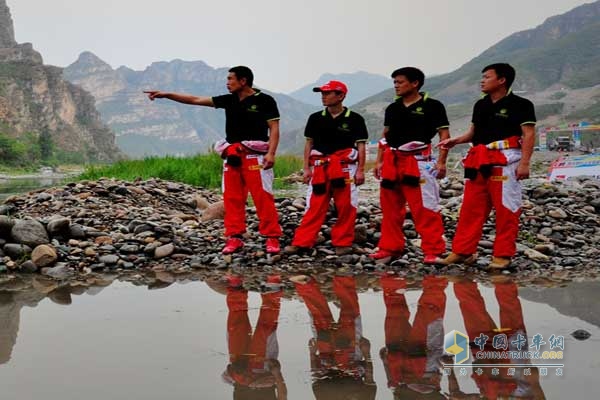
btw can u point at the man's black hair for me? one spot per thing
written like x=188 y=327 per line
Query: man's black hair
x=242 y=71
x=412 y=74
x=503 y=70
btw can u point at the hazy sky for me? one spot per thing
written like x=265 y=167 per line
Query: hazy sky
x=287 y=43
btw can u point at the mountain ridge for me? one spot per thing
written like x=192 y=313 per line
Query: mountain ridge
x=360 y=84
x=164 y=127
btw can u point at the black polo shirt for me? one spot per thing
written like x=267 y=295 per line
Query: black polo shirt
x=330 y=134
x=419 y=121
x=502 y=119
x=247 y=119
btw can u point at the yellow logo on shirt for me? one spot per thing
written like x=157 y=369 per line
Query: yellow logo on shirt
x=344 y=127
x=503 y=113
x=419 y=111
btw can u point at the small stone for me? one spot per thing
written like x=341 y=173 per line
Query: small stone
x=164 y=251
x=102 y=240
x=16 y=251
x=43 y=255
x=29 y=267
x=109 y=259
x=58 y=225
x=76 y=231
x=536 y=255
x=60 y=271
x=558 y=213
x=581 y=334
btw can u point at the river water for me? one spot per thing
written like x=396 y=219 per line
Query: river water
x=14 y=186
x=323 y=337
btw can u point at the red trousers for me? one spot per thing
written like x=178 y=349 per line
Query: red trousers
x=337 y=343
x=423 y=201
x=500 y=191
x=477 y=321
x=345 y=200
x=248 y=351
x=237 y=182
x=413 y=350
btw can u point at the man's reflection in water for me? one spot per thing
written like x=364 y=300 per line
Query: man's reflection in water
x=253 y=368
x=11 y=304
x=477 y=322
x=340 y=356
x=9 y=325
x=412 y=353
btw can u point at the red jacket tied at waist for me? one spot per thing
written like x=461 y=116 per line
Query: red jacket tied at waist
x=399 y=167
x=233 y=152
x=330 y=168
x=483 y=157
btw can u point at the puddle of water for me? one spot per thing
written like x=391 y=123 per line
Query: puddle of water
x=341 y=338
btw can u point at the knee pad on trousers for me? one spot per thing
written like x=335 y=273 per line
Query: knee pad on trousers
x=319 y=188
x=234 y=161
x=411 y=180
x=387 y=184
x=338 y=183
x=470 y=173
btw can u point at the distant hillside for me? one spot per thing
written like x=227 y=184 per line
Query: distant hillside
x=39 y=108
x=164 y=127
x=557 y=63
x=360 y=85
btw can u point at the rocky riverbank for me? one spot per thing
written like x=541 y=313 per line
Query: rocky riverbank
x=114 y=226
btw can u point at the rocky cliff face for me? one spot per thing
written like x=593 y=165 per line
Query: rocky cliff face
x=163 y=127
x=35 y=98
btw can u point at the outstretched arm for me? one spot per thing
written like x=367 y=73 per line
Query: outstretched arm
x=464 y=138
x=181 y=98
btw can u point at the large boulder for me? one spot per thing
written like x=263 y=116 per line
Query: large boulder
x=29 y=232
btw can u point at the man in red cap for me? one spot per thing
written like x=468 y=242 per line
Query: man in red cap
x=252 y=136
x=407 y=170
x=334 y=165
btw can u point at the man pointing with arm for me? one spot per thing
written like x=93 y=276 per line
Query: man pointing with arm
x=252 y=137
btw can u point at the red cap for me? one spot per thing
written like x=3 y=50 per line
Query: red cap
x=332 y=86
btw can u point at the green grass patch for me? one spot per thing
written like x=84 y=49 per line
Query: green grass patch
x=201 y=170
